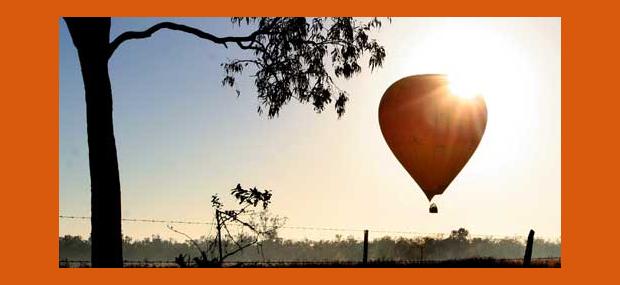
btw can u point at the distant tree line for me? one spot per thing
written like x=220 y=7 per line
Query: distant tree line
x=458 y=245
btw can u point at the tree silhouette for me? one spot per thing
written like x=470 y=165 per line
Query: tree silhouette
x=383 y=250
x=460 y=235
x=289 y=56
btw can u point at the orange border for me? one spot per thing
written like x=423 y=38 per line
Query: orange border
x=30 y=140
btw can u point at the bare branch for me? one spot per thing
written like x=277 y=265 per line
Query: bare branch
x=241 y=222
x=239 y=249
x=132 y=35
x=230 y=235
x=187 y=236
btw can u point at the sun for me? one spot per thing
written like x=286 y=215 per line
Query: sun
x=466 y=87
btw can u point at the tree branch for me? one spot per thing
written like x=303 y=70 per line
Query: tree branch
x=132 y=35
x=241 y=222
x=230 y=235
x=189 y=238
x=239 y=249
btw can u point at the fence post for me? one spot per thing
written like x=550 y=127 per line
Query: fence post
x=219 y=235
x=528 y=249
x=365 y=258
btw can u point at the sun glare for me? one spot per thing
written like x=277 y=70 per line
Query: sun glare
x=465 y=87
x=474 y=57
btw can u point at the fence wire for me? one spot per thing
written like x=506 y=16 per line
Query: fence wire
x=311 y=228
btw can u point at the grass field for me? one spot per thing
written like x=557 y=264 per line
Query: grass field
x=457 y=263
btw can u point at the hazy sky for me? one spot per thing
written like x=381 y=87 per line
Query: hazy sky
x=182 y=137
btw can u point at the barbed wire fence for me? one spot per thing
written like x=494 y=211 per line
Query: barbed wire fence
x=314 y=228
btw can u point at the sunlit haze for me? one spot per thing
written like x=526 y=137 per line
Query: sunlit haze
x=182 y=136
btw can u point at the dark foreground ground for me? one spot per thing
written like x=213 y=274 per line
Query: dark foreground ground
x=461 y=263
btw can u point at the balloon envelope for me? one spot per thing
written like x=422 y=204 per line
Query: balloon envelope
x=432 y=132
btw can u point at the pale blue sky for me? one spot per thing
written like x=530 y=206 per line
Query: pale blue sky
x=182 y=137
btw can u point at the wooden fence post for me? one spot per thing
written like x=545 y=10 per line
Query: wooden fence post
x=528 y=249
x=219 y=236
x=365 y=258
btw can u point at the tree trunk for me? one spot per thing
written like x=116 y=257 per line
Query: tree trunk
x=91 y=37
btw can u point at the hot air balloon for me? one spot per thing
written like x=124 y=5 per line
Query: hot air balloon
x=431 y=131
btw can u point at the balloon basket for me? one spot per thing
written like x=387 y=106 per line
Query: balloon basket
x=433 y=209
